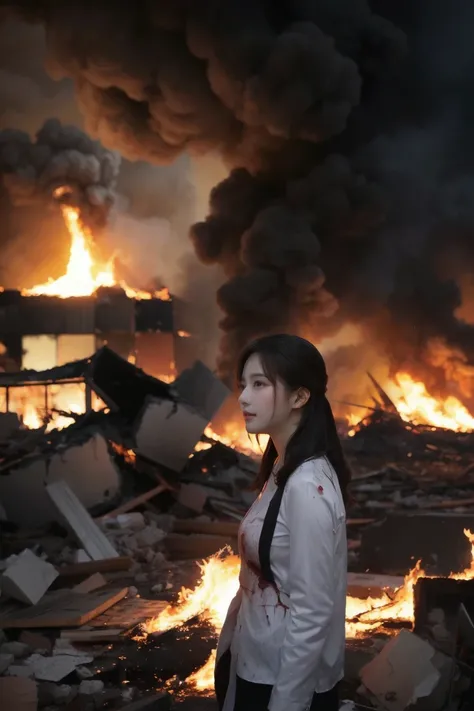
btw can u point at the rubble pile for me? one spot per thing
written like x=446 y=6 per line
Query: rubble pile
x=102 y=523
x=92 y=518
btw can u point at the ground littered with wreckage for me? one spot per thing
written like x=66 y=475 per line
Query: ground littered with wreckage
x=104 y=522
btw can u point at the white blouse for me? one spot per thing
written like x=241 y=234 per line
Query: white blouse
x=292 y=635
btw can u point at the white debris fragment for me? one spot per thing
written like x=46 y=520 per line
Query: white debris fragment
x=134 y=521
x=28 y=578
x=84 y=673
x=81 y=556
x=56 y=667
x=402 y=673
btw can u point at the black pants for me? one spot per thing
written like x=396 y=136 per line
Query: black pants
x=255 y=697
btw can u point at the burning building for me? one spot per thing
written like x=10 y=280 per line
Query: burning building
x=72 y=316
x=346 y=217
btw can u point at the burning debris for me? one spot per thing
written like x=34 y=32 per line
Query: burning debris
x=331 y=123
x=127 y=509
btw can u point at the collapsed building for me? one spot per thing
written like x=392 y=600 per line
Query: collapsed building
x=47 y=331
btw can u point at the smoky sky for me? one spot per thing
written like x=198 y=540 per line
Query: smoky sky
x=347 y=129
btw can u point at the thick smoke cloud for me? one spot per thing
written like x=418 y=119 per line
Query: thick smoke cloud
x=28 y=96
x=59 y=157
x=346 y=126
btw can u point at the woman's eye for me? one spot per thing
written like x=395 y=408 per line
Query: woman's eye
x=258 y=384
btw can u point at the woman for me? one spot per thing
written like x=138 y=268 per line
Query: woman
x=282 y=645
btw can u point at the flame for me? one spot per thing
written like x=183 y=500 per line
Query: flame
x=236 y=437
x=416 y=405
x=83 y=277
x=28 y=402
x=203 y=679
x=218 y=585
x=220 y=581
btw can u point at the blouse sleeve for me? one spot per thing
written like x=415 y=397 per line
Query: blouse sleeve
x=311 y=526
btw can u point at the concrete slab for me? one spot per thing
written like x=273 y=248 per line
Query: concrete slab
x=200 y=388
x=86 y=468
x=167 y=432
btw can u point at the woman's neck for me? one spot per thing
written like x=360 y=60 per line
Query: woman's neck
x=281 y=438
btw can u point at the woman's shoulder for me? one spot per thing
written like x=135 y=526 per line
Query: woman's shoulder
x=317 y=471
x=312 y=469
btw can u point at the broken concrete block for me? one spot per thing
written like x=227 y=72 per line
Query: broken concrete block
x=87 y=468
x=64 y=646
x=93 y=686
x=200 y=388
x=402 y=673
x=150 y=536
x=21 y=670
x=18 y=694
x=28 y=578
x=5 y=661
x=133 y=520
x=167 y=432
x=18 y=649
x=437 y=539
x=84 y=673
x=56 y=667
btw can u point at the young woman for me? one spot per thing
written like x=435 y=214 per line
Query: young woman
x=282 y=645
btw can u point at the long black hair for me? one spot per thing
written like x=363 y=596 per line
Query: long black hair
x=298 y=364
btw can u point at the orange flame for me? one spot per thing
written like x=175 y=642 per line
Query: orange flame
x=416 y=405
x=83 y=277
x=28 y=402
x=236 y=437
x=219 y=583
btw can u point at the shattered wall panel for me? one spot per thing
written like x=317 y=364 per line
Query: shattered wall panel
x=167 y=432
x=86 y=468
x=200 y=387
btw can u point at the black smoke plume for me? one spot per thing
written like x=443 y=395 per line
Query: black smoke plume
x=347 y=128
x=61 y=163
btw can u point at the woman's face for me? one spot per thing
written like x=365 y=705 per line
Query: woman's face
x=267 y=408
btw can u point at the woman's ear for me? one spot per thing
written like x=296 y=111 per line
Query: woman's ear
x=301 y=397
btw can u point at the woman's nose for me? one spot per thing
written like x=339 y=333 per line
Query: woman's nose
x=242 y=399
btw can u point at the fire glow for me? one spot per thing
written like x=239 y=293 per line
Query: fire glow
x=83 y=277
x=219 y=583
x=414 y=404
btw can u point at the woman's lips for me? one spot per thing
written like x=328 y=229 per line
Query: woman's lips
x=248 y=415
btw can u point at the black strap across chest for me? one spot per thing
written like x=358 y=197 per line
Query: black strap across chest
x=266 y=536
